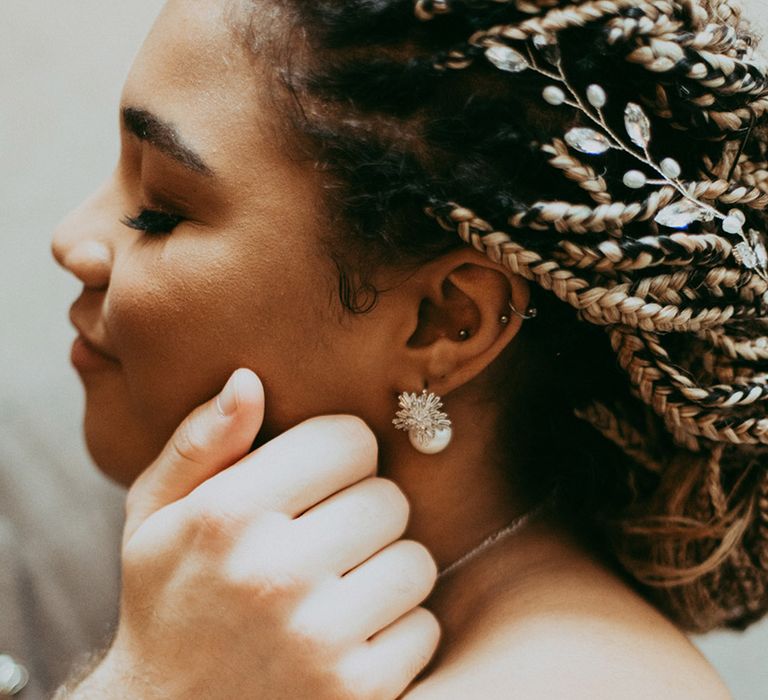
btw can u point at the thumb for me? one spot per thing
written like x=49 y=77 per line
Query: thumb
x=211 y=438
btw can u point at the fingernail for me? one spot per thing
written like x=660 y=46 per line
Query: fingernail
x=226 y=401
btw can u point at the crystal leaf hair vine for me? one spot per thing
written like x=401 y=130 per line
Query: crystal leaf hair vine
x=750 y=250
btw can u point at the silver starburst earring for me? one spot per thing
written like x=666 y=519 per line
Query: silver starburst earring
x=429 y=428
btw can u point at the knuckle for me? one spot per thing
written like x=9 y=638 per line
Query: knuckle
x=269 y=573
x=188 y=442
x=376 y=503
x=275 y=584
x=308 y=635
x=346 y=439
x=208 y=520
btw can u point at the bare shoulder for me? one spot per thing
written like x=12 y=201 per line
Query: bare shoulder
x=577 y=660
x=580 y=635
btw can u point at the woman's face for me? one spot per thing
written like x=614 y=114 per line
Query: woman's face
x=240 y=280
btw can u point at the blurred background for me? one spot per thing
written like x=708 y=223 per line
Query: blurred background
x=61 y=69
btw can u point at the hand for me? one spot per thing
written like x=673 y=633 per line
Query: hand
x=281 y=576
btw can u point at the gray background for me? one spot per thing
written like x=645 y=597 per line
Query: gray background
x=61 y=68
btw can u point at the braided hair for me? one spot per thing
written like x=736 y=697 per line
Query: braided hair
x=647 y=365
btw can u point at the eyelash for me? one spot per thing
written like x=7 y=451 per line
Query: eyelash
x=152 y=222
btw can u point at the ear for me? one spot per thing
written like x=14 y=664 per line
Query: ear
x=459 y=320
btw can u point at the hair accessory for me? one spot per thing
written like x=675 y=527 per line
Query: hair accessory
x=429 y=428
x=749 y=249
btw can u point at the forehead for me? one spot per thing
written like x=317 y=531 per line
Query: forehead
x=195 y=72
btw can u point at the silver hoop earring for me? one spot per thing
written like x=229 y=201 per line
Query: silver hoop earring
x=530 y=313
x=429 y=428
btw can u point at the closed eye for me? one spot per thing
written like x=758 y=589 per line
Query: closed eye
x=153 y=222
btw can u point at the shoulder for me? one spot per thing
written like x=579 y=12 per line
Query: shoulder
x=571 y=630
x=574 y=659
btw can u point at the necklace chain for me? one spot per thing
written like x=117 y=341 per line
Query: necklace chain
x=493 y=538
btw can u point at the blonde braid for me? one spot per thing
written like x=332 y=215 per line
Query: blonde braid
x=622 y=434
x=751 y=350
x=665 y=274
x=624 y=29
x=604 y=306
x=695 y=289
x=752 y=173
x=690 y=421
x=713 y=502
x=583 y=175
x=676 y=249
x=580 y=218
x=559 y=19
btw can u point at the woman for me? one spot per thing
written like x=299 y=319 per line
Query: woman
x=292 y=181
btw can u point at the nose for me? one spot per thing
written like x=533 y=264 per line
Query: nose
x=82 y=242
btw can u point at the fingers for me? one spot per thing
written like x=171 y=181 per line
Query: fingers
x=369 y=598
x=297 y=469
x=349 y=527
x=386 y=586
x=213 y=437
x=389 y=662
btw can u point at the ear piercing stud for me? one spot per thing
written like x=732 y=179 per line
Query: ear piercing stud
x=429 y=429
x=504 y=319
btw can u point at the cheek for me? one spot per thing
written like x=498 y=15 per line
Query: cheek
x=184 y=314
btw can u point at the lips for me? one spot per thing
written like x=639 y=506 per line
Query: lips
x=88 y=353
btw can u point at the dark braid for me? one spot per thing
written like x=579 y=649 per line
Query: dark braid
x=647 y=367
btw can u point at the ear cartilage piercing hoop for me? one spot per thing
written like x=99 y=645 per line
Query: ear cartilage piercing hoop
x=530 y=313
x=429 y=428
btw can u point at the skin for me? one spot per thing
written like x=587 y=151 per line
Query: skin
x=245 y=281
x=224 y=593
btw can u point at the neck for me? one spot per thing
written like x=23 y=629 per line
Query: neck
x=459 y=496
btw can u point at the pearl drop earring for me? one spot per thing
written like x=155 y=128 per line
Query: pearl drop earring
x=429 y=428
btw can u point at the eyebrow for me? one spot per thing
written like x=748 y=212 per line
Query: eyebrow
x=164 y=137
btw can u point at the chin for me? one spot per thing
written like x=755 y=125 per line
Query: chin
x=120 y=451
